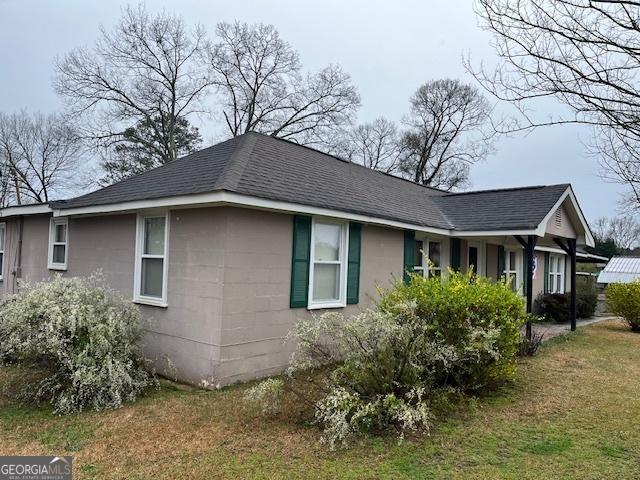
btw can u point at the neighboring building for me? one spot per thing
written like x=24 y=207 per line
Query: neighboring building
x=620 y=270
x=226 y=248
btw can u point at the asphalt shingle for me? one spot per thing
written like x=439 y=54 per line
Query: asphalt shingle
x=511 y=208
x=266 y=167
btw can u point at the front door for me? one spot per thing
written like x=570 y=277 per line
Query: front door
x=475 y=257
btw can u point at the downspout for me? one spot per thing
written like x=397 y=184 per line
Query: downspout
x=17 y=272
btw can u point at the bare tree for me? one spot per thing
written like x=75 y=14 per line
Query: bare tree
x=444 y=134
x=39 y=158
x=600 y=228
x=584 y=53
x=624 y=231
x=148 y=70
x=374 y=145
x=260 y=82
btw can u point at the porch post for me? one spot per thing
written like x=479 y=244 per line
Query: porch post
x=570 y=249
x=531 y=244
x=572 y=254
x=529 y=247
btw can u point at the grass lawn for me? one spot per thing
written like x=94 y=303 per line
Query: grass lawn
x=573 y=413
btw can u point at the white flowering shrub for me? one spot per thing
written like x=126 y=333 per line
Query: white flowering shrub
x=83 y=335
x=345 y=414
x=381 y=368
x=268 y=394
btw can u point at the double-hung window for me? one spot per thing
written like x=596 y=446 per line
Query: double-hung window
x=151 y=259
x=3 y=230
x=327 y=279
x=556 y=273
x=432 y=264
x=511 y=269
x=58 y=243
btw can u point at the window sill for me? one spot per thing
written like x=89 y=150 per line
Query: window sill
x=153 y=302
x=57 y=267
x=321 y=306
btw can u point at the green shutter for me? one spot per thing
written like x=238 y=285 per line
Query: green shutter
x=409 y=254
x=456 y=245
x=546 y=272
x=500 y=261
x=353 y=263
x=300 y=257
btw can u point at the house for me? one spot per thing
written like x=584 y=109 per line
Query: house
x=620 y=270
x=226 y=248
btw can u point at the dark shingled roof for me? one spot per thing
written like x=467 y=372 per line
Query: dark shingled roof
x=510 y=208
x=270 y=168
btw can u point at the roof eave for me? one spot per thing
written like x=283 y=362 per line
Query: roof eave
x=220 y=198
x=20 y=210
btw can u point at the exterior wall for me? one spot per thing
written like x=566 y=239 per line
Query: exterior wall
x=188 y=331
x=35 y=247
x=105 y=243
x=538 y=279
x=256 y=315
x=240 y=255
x=34 y=252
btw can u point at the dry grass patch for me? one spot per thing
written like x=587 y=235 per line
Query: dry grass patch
x=571 y=414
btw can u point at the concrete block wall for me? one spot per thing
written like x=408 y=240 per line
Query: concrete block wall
x=228 y=286
x=256 y=315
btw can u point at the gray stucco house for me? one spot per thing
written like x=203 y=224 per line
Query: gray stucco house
x=226 y=248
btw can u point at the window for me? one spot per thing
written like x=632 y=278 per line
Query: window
x=556 y=273
x=432 y=267
x=511 y=269
x=58 y=242
x=327 y=279
x=3 y=230
x=151 y=260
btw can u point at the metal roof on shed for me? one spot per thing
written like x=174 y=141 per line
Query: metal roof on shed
x=620 y=270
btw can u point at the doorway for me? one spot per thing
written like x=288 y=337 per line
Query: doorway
x=475 y=258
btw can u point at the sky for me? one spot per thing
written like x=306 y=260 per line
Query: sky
x=389 y=47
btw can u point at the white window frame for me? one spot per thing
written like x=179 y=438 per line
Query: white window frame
x=513 y=269
x=423 y=266
x=555 y=274
x=342 y=261
x=137 y=283
x=3 y=245
x=52 y=237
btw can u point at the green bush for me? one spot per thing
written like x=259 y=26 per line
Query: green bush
x=555 y=306
x=381 y=368
x=465 y=314
x=83 y=336
x=552 y=306
x=586 y=303
x=623 y=299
